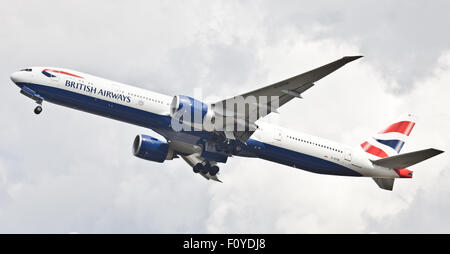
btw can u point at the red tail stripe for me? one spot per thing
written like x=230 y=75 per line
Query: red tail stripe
x=63 y=72
x=373 y=150
x=404 y=173
x=404 y=127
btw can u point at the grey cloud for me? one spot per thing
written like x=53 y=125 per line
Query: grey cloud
x=428 y=212
x=402 y=38
x=215 y=67
x=68 y=171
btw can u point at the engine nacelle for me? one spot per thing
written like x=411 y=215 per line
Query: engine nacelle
x=191 y=112
x=152 y=149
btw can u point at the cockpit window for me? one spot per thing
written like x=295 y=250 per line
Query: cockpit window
x=48 y=74
x=26 y=70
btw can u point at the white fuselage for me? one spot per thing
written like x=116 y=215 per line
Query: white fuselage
x=127 y=103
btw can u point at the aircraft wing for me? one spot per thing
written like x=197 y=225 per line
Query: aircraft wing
x=268 y=99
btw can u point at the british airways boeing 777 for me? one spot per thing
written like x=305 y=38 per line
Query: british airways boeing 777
x=205 y=134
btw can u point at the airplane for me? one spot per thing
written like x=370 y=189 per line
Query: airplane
x=183 y=122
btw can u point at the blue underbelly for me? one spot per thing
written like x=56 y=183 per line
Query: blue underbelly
x=298 y=160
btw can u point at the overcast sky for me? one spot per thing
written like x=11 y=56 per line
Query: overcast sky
x=67 y=171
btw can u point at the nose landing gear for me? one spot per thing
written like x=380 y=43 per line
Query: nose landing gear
x=38 y=110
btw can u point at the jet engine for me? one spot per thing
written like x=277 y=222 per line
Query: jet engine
x=190 y=111
x=152 y=149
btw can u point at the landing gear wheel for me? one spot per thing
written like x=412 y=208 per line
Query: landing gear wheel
x=205 y=170
x=197 y=168
x=213 y=170
x=38 y=110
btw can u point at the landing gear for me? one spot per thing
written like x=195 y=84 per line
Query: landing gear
x=205 y=169
x=38 y=110
x=197 y=168
x=213 y=170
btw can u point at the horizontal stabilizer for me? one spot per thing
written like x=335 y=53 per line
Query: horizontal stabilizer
x=385 y=183
x=407 y=159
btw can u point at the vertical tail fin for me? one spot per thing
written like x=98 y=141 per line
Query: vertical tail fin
x=390 y=141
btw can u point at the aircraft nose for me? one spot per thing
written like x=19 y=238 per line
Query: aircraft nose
x=15 y=77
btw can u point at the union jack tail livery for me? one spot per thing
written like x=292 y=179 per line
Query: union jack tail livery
x=384 y=147
x=390 y=141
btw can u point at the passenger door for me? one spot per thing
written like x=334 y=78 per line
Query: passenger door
x=277 y=135
x=348 y=155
